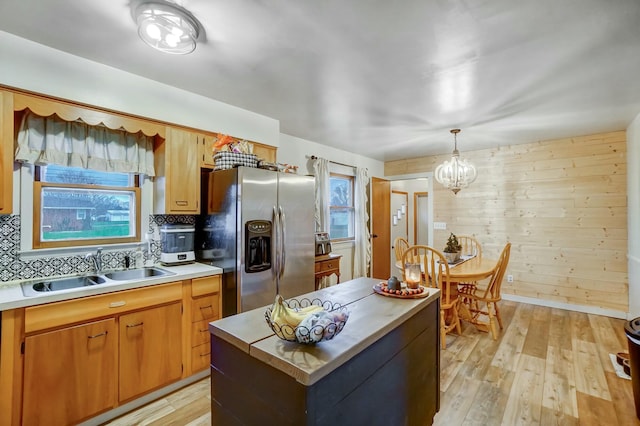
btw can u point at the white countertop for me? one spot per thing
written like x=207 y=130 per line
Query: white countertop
x=11 y=295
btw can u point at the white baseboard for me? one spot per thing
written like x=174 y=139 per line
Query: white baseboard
x=568 y=306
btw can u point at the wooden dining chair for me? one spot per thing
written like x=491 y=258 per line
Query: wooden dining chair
x=483 y=297
x=470 y=246
x=435 y=273
x=400 y=244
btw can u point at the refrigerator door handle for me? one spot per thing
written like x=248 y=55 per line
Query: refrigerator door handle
x=283 y=233
x=275 y=232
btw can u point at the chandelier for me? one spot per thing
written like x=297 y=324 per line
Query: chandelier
x=457 y=173
x=167 y=27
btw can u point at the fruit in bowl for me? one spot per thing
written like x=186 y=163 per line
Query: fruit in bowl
x=309 y=324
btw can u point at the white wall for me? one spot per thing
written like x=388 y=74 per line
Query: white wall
x=633 y=215
x=34 y=67
x=410 y=186
x=38 y=68
x=296 y=151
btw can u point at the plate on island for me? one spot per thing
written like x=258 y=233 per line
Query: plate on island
x=379 y=288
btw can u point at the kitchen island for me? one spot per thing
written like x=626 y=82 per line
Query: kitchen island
x=382 y=369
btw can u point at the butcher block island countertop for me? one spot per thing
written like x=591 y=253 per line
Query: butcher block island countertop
x=383 y=368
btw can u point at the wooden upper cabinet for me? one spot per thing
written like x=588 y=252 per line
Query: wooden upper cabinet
x=6 y=152
x=265 y=152
x=207 y=149
x=205 y=145
x=177 y=181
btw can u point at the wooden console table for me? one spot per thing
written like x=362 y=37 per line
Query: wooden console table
x=327 y=265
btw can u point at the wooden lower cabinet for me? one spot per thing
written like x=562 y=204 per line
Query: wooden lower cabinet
x=65 y=362
x=200 y=332
x=201 y=357
x=68 y=374
x=148 y=355
x=205 y=307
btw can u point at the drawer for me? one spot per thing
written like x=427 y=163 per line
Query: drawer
x=205 y=285
x=200 y=357
x=205 y=308
x=199 y=333
x=92 y=307
x=328 y=265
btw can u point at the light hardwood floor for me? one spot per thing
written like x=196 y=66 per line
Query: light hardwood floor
x=548 y=367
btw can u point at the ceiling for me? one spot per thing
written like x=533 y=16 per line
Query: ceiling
x=385 y=79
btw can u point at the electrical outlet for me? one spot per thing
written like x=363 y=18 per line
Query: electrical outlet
x=439 y=225
x=509 y=278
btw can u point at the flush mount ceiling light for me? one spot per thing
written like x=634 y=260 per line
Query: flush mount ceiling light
x=457 y=173
x=167 y=27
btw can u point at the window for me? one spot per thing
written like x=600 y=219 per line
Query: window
x=76 y=207
x=341 y=209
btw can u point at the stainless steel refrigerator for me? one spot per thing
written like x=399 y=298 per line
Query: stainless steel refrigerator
x=258 y=226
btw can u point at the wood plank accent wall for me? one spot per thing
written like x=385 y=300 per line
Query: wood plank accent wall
x=561 y=203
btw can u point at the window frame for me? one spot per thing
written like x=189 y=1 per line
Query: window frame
x=38 y=187
x=351 y=208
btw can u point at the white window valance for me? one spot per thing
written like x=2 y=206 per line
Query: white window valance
x=51 y=140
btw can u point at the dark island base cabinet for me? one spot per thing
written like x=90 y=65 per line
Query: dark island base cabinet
x=395 y=381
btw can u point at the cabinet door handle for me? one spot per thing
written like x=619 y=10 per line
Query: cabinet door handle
x=135 y=325
x=104 y=333
x=206 y=307
x=207 y=354
x=117 y=304
x=203 y=331
x=182 y=203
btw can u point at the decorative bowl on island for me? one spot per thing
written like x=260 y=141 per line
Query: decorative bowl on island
x=306 y=321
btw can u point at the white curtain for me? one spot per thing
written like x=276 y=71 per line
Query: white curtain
x=51 y=140
x=362 y=253
x=323 y=194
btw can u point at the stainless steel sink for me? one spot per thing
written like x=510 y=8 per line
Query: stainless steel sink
x=136 y=274
x=32 y=289
x=38 y=287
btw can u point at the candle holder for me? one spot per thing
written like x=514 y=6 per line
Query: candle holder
x=412 y=275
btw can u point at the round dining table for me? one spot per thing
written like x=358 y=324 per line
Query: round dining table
x=469 y=270
x=472 y=269
x=475 y=269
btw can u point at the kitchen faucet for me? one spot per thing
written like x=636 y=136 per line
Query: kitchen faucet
x=96 y=259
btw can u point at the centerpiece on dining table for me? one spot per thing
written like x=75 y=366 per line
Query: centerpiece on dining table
x=452 y=249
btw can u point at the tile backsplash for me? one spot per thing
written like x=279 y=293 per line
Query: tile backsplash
x=13 y=267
